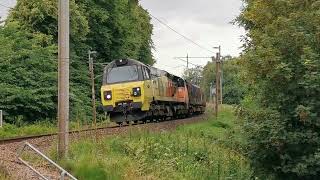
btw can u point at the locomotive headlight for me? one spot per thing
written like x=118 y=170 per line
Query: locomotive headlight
x=107 y=95
x=136 y=92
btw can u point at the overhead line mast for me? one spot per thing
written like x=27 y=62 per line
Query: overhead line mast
x=63 y=78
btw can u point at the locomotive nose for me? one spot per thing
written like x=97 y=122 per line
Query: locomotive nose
x=122 y=94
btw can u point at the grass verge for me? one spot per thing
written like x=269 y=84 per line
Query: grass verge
x=9 y=130
x=3 y=174
x=44 y=127
x=207 y=150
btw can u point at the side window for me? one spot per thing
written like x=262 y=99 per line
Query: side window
x=153 y=73
x=146 y=73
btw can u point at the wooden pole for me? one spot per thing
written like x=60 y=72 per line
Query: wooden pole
x=216 y=98
x=218 y=82
x=220 y=75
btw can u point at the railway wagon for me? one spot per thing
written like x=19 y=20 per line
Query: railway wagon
x=133 y=91
x=197 y=100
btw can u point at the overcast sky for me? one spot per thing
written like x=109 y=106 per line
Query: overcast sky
x=4 y=7
x=207 y=22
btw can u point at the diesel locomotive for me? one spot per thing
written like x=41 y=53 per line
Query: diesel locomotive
x=133 y=91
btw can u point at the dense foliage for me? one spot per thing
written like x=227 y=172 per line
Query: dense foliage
x=28 y=70
x=282 y=66
x=233 y=89
x=193 y=75
x=28 y=40
x=119 y=29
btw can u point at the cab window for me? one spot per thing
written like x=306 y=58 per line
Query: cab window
x=122 y=74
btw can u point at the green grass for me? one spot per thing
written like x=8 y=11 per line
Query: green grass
x=225 y=130
x=9 y=130
x=3 y=174
x=44 y=127
x=207 y=150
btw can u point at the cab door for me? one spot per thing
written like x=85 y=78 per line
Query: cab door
x=148 y=86
x=154 y=84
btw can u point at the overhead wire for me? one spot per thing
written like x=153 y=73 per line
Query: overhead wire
x=5 y=6
x=173 y=67
x=185 y=37
x=197 y=65
x=180 y=34
x=165 y=24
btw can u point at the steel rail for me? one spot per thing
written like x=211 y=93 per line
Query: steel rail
x=29 y=137
x=23 y=138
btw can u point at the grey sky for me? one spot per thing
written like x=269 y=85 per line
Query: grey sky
x=4 y=10
x=207 y=22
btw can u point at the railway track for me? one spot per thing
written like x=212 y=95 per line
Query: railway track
x=9 y=147
x=25 y=138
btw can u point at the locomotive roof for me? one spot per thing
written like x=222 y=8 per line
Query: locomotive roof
x=122 y=62
x=159 y=72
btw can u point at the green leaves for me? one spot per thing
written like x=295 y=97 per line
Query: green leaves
x=119 y=29
x=28 y=47
x=233 y=89
x=193 y=75
x=28 y=71
x=282 y=63
x=42 y=16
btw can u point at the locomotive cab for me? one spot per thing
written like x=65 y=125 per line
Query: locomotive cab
x=126 y=90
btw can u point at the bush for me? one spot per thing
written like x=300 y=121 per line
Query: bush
x=208 y=150
x=281 y=64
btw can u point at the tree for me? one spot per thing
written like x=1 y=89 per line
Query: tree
x=233 y=89
x=282 y=67
x=28 y=70
x=114 y=28
x=42 y=17
x=193 y=75
x=119 y=29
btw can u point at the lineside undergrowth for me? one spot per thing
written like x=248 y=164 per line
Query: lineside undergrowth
x=207 y=150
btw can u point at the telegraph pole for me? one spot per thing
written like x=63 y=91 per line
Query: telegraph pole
x=63 y=78
x=218 y=79
x=220 y=74
x=91 y=69
x=218 y=65
x=216 y=97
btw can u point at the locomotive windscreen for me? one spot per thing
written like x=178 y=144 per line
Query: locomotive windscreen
x=122 y=74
